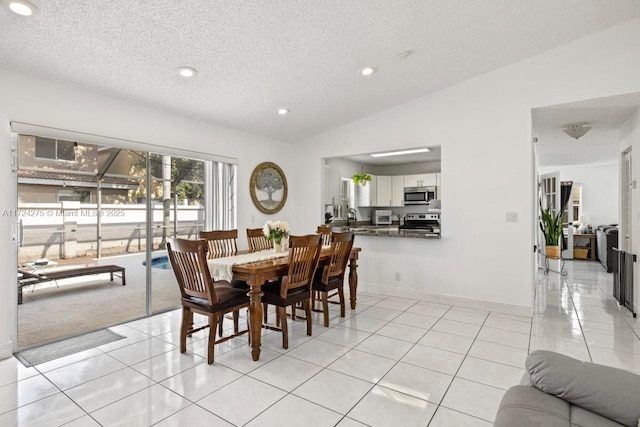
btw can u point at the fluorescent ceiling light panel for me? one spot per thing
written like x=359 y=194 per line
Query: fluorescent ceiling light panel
x=398 y=153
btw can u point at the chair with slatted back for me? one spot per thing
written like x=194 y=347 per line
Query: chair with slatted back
x=325 y=232
x=330 y=277
x=257 y=241
x=295 y=287
x=200 y=294
x=221 y=243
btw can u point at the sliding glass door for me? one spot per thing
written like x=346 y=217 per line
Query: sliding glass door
x=83 y=208
x=178 y=210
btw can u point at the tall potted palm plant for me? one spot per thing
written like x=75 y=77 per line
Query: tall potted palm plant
x=551 y=226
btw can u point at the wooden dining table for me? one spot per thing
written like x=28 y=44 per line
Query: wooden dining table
x=257 y=273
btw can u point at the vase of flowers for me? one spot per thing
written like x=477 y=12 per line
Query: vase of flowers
x=276 y=231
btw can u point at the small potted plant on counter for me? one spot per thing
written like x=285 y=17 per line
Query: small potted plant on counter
x=361 y=179
x=551 y=226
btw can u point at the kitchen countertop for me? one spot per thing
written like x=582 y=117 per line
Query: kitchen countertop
x=390 y=231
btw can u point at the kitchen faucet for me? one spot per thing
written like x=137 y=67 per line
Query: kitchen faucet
x=351 y=215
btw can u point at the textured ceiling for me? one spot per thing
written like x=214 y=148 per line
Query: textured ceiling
x=255 y=56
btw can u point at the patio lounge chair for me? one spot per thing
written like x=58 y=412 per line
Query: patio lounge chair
x=26 y=278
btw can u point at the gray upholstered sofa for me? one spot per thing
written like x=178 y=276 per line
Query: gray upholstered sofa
x=563 y=391
x=606 y=239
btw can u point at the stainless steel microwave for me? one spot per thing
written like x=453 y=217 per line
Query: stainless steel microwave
x=419 y=195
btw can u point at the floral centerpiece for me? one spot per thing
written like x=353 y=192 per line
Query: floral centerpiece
x=276 y=230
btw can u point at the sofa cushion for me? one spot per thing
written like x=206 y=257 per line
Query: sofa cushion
x=583 y=418
x=607 y=391
x=526 y=406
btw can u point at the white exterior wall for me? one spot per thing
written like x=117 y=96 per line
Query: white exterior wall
x=484 y=128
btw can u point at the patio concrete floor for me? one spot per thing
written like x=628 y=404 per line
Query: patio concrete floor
x=83 y=304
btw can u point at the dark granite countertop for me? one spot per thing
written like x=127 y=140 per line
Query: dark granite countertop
x=388 y=231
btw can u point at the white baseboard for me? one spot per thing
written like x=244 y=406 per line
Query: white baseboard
x=6 y=349
x=517 y=310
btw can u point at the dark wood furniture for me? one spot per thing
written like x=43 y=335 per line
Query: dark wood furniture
x=200 y=294
x=584 y=252
x=325 y=231
x=295 y=286
x=330 y=276
x=257 y=273
x=26 y=277
x=257 y=241
x=221 y=243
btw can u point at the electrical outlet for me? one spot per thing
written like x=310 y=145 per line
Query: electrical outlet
x=512 y=216
x=397 y=277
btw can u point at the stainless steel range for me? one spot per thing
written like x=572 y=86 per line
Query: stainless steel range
x=421 y=222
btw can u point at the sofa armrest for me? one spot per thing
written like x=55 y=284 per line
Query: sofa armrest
x=607 y=391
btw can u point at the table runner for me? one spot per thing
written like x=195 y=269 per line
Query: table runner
x=221 y=268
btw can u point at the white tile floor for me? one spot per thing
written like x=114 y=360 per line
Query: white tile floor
x=393 y=361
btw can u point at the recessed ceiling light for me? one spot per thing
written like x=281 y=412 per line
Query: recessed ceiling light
x=187 y=72
x=283 y=111
x=21 y=7
x=398 y=153
x=404 y=55
x=367 y=71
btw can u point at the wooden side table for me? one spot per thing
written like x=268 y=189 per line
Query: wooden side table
x=591 y=249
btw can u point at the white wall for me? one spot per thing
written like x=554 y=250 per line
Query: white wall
x=630 y=137
x=600 y=195
x=31 y=100
x=484 y=128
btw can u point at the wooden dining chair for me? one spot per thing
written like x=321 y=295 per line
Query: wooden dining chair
x=331 y=276
x=295 y=287
x=325 y=232
x=257 y=240
x=221 y=243
x=200 y=294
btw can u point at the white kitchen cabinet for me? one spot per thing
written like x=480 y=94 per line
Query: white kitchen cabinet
x=421 y=180
x=384 y=191
x=397 y=190
x=430 y=180
x=366 y=195
x=373 y=191
x=413 y=180
x=389 y=191
x=332 y=185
